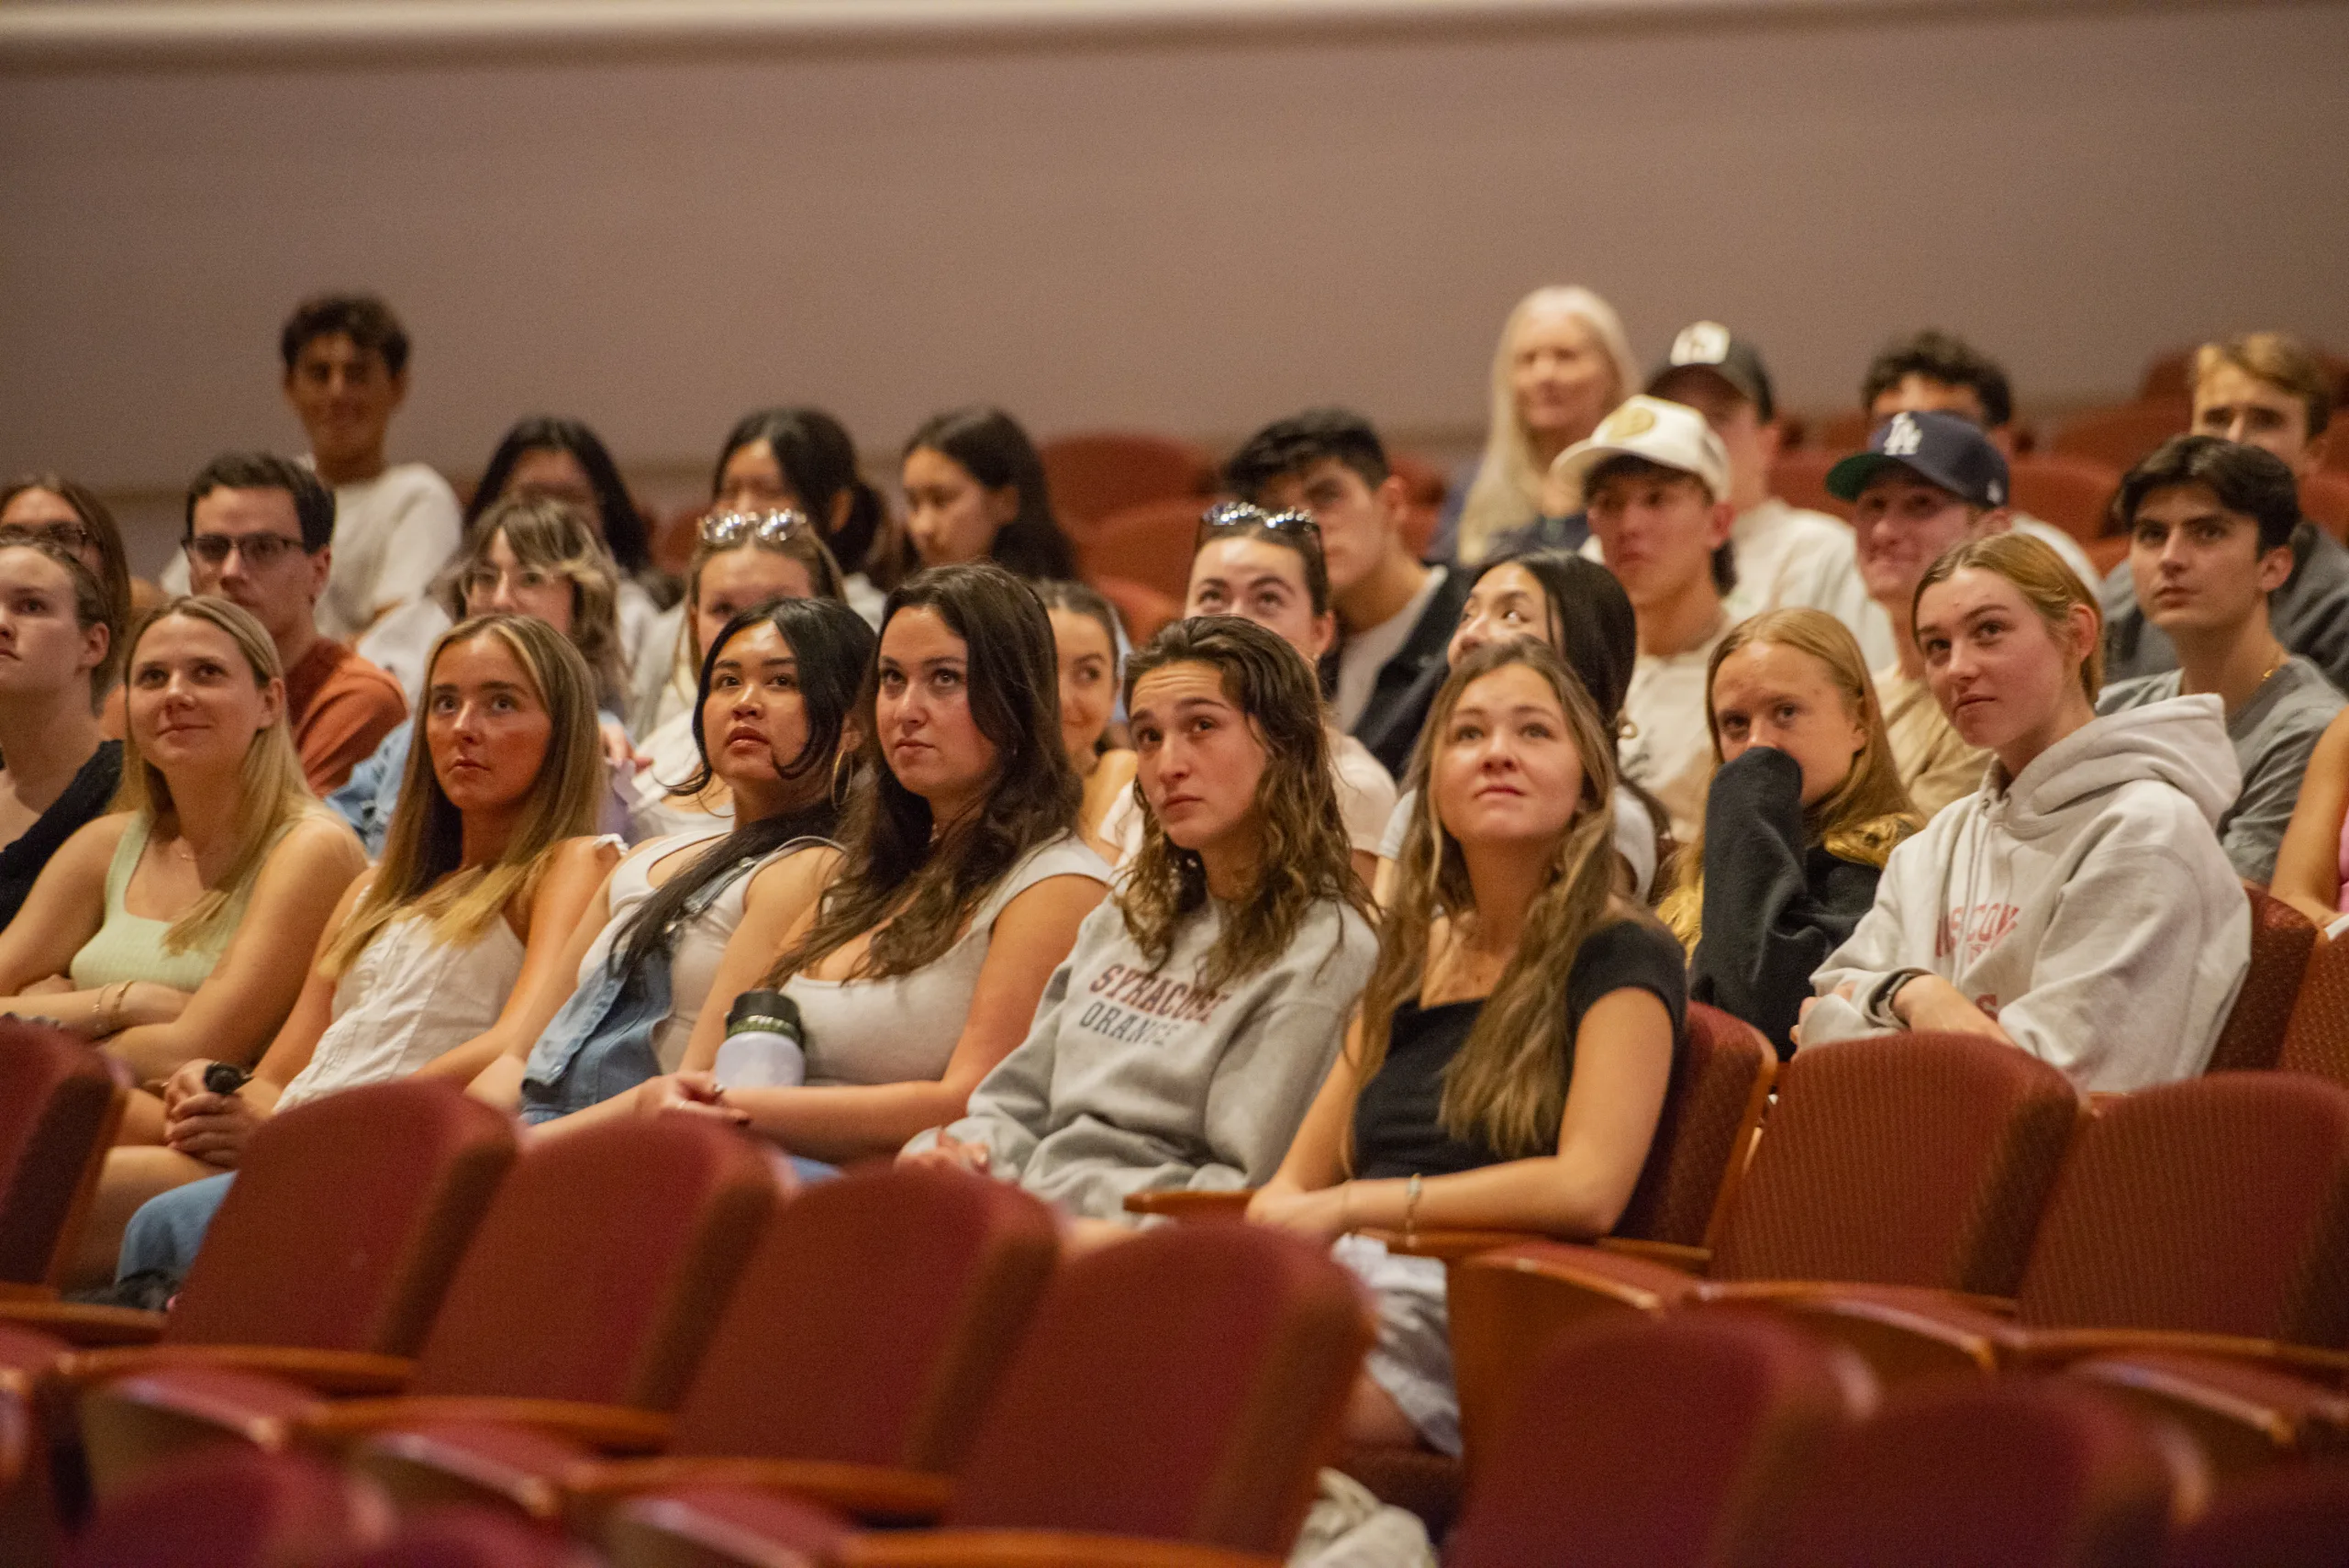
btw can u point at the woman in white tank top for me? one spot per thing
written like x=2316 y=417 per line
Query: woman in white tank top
x=962 y=887
x=775 y=717
x=484 y=870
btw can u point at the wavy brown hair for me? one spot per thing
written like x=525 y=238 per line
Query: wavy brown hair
x=1303 y=856
x=1508 y=1083
x=911 y=892
x=1862 y=819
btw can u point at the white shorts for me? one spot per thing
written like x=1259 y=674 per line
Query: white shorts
x=1412 y=1359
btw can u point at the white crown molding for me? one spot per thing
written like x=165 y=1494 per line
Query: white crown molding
x=35 y=31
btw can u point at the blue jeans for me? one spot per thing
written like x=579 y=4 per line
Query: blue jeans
x=170 y=1227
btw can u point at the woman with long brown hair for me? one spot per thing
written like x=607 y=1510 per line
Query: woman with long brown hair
x=960 y=888
x=1805 y=806
x=1516 y=1037
x=1203 y=1004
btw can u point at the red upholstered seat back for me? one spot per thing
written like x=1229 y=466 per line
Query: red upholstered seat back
x=1719 y=1087
x=2067 y=491
x=2281 y=940
x=58 y=1108
x=600 y=1269
x=2124 y=435
x=873 y=1321
x=2019 y=1473
x=1184 y=1385
x=1093 y=474
x=1910 y=1159
x=234 y=1506
x=2293 y=1517
x=1657 y=1442
x=346 y=1221
x=2317 y=1039
x=2217 y=1206
x=1150 y=544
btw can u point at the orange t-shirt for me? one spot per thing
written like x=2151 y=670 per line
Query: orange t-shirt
x=342 y=706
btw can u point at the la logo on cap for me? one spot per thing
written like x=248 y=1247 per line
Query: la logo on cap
x=1630 y=420
x=1705 y=343
x=1904 y=437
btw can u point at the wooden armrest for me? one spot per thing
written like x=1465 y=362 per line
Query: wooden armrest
x=1182 y=1203
x=322 y=1372
x=1449 y=1245
x=612 y=1427
x=2243 y=1417
x=2061 y=1347
x=874 y=1492
x=1672 y=1255
x=80 y=1323
x=1033 y=1548
x=1903 y=1333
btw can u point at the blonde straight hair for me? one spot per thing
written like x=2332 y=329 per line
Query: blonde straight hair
x=2052 y=589
x=271 y=794
x=1506 y=493
x=422 y=872
x=1862 y=819
x=1507 y=1083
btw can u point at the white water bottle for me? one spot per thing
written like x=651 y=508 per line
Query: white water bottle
x=762 y=1047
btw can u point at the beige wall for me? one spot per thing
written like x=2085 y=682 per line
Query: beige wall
x=1183 y=230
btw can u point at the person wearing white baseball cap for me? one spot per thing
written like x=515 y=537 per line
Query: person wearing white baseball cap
x=1788 y=558
x=1655 y=482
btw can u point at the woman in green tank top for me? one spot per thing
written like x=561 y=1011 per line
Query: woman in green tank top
x=159 y=931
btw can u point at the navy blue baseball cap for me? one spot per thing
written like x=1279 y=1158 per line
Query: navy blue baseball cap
x=1940 y=449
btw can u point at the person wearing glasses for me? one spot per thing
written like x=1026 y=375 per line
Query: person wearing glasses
x=1267 y=567
x=544 y=561
x=60 y=633
x=261 y=535
x=742 y=560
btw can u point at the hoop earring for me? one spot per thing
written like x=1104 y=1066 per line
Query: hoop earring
x=839 y=790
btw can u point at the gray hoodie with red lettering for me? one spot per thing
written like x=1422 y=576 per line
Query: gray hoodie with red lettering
x=2087 y=905
x=1134 y=1076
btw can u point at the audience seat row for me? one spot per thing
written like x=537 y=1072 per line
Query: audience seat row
x=1719 y=1439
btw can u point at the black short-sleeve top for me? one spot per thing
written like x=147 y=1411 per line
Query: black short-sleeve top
x=1398 y=1125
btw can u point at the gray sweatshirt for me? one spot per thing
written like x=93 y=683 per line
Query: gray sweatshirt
x=2087 y=905
x=1132 y=1080
x=2273 y=735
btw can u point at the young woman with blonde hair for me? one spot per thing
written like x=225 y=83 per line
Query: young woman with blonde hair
x=532 y=556
x=1806 y=804
x=2078 y=905
x=159 y=930
x=486 y=869
x=1180 y=1044
x=1562 y=366
x=1517 y=1036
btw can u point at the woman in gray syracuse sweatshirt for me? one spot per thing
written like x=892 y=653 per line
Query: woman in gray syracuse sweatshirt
x=2078 y=905
x=1202 y=1005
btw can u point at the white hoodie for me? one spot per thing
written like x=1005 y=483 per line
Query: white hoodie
x=2087 y=906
